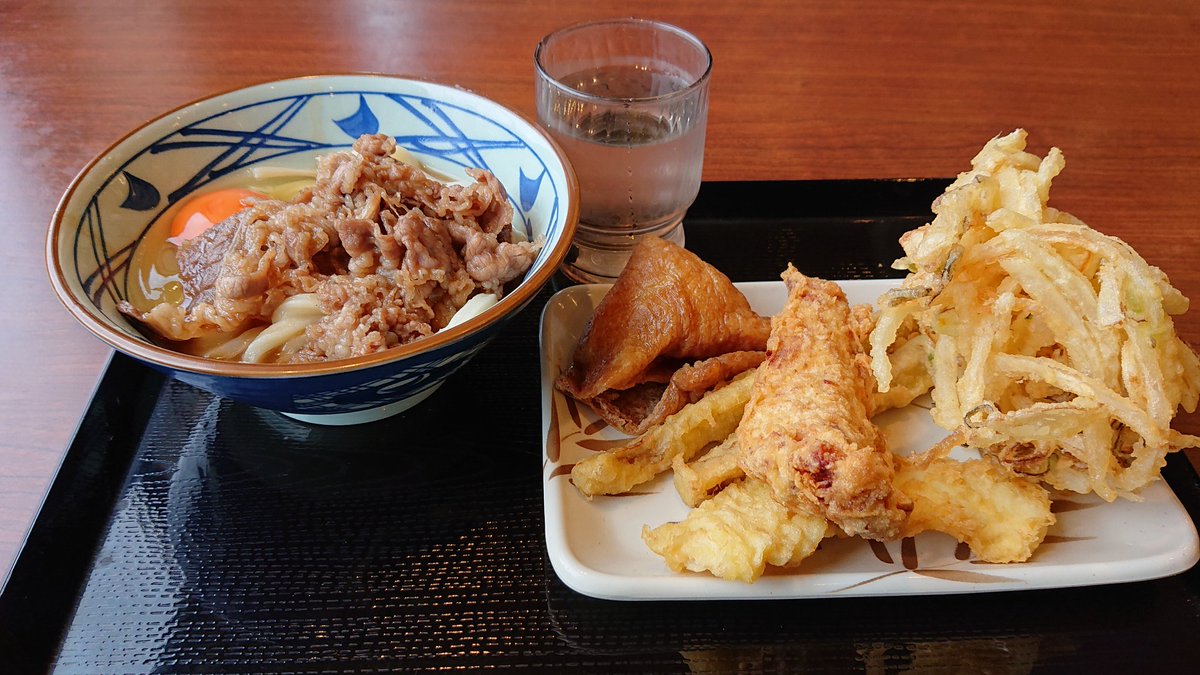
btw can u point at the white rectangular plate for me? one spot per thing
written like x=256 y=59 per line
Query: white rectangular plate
x=596 y=547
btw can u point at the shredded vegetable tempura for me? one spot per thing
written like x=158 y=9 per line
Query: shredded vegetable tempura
x=1053 y=345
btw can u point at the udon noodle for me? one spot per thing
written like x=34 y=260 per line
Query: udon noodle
x=368 y=252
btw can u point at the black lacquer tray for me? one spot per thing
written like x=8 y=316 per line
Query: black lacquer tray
x=188 y=533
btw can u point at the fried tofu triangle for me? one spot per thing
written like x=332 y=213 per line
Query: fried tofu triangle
x=737 y=533
x=807 y=429
x=666 y=309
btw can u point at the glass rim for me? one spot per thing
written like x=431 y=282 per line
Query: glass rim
x=630 y=21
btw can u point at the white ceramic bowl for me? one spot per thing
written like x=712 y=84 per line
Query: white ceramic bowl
x=109 y=206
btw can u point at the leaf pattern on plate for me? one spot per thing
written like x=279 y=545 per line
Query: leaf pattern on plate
x=908 y=553
x=573 y=409
x=553 y=437
x=965 y=576
x=601 y=444
x=1059 y=539
x=881 y=552
x=1066 y=506
x=595 y=427
x=910 y=561
x=864 y=582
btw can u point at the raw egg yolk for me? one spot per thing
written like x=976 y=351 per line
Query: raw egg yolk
x=200 y=213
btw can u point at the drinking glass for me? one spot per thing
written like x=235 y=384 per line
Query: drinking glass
x=627 y=99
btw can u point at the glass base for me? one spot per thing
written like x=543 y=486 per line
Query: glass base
x=597 y=255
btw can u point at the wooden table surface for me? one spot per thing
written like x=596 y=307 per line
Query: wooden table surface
x=800 y=90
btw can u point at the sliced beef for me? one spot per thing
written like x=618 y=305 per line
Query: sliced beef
x=391 y=253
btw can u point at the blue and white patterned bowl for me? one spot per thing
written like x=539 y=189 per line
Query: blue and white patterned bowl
x=110 y=205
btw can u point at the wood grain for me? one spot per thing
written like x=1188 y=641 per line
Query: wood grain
x=800 y=90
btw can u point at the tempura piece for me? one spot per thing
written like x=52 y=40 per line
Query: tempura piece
x=1061 y=334
x=1003 y=517
x=699 y=479
x=685 y=433
x=703 y=478
x=635 y=410
x=910 y=374
x=807 y=430
x=737 y=533
x=667 y=308
x=908 y=358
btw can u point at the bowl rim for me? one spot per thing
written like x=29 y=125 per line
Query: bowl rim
x=161 y=356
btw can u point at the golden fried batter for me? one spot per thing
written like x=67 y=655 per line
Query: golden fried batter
x=737 y=533
x=635 y=410
x=1001 y=516
x=807 y=429
x=685 y=434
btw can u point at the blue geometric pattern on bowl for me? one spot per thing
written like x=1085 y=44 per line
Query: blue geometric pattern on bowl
x=285 y=131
